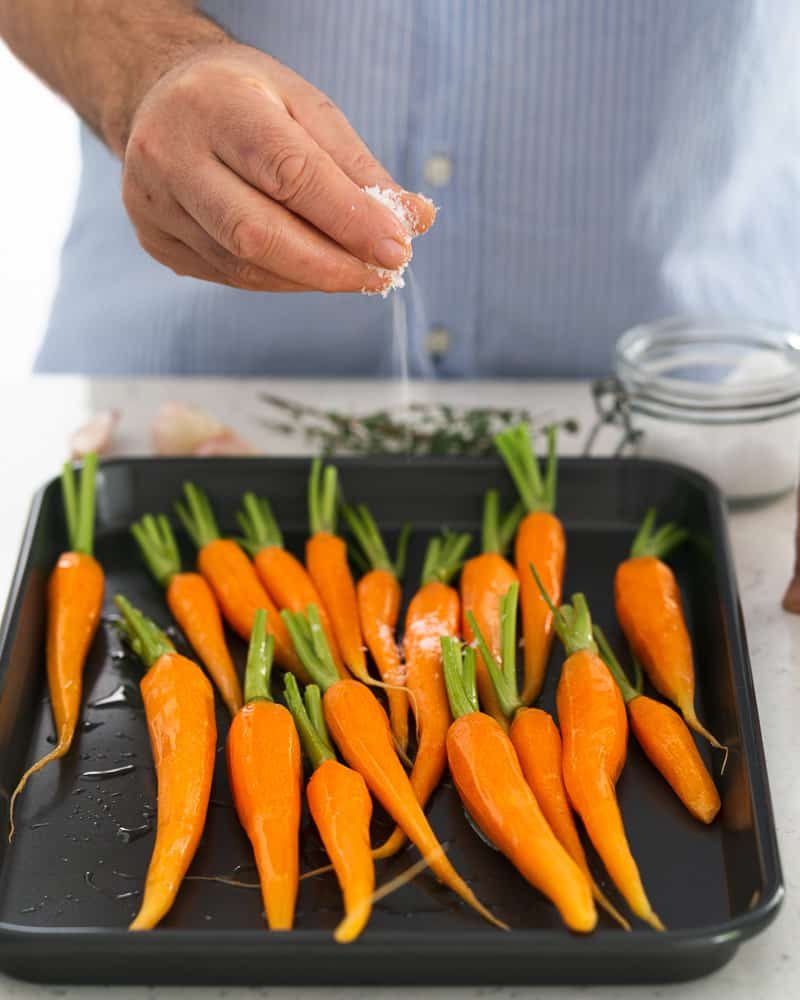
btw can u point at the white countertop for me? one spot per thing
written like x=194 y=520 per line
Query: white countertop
x=36 y=417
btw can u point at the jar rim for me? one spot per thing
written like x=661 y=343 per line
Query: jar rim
x=645 y=354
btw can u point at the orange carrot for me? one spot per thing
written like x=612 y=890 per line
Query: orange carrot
x=326 y=558
x=192 y=603
x=490 y=782
x=537 y=741
x=667 y=742
x=284 y=576
x=484 y=580
x=232 y=577
x=378 y=594
x=540 y=541
x=74 y=603
x=179 y=705
x=649 y=610
x=432 y=613
x=265 y=771
x=341 y=808
x=360 y=729
x=594 y=730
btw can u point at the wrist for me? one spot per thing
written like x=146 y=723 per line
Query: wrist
x=182 y=42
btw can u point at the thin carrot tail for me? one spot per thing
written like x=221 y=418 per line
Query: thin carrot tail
x=394 y=843
x=691 y=720
x=398 y=717
x=602 y=900
x=607 y=832
x=58 y=751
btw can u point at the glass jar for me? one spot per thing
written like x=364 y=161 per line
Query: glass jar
x=720 y=397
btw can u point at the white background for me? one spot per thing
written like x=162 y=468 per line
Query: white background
x=39 y=166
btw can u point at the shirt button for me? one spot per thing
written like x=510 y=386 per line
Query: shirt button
x=438 y=170
x=437 y=342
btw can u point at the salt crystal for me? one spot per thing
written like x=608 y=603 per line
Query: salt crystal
x=406 y=216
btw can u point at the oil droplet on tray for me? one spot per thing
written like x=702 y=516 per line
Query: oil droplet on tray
x=112 y=772
x=124 y=694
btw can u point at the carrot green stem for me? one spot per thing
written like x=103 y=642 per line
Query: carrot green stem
x=372 y=547
x=260 y=654
x=503 y=674
x=79 y=504
x=196 y=516
x=158 y=547
x=572 y=621
x=145 y=637
x=308 y=637
x=444 y=557
x=309 y=721
x=459 y=676
x=258 y=525
x=658 y=544
x=498 y=529
x=537 y=491
x=323 y=492
x=616 y=669
x=638 y=675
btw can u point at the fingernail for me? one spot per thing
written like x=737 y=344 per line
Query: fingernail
x=391 y=253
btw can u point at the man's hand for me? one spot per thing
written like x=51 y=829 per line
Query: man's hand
x=236 y=170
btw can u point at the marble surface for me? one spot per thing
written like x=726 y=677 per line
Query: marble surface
x=35 y=419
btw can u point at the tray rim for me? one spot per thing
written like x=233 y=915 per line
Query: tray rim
x=720 y=937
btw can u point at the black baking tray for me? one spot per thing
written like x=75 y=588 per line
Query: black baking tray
x=68 y=882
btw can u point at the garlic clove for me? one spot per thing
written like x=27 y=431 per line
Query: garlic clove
x=224 y=444
x=95 y=435
x=179 y=428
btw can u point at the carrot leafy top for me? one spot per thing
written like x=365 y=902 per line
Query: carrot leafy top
x=79 y=503
x=537 y=490
x=158 y=547
x=197 y=516
x=260 y=654
x=145 y=637
x=371 y=544
x=323 y=497
x=258 y=524
x=310 y=720
x=503 y=674
x=649 y=542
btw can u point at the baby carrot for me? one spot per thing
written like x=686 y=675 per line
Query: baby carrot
x=326 y=558
x=537 y=741
x=540 y=540
x=232 y=577
x=341 y=808
x=378 y=594
x=665 y=738
x=594 y=730
x=265 y=771
x=360 y=729
x=490 y=782
x=192 y=603
x=432 y=613
x=179 y=705
x=484 y=580
x=648 y=604
x=285 y=578
x=74 y=602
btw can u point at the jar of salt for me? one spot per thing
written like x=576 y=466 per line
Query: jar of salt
x=720 y=397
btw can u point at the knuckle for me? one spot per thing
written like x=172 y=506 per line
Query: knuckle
x=251 y=240
x=287 y=173
x=363 y=163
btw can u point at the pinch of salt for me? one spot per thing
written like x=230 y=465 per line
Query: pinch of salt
x=391 y=199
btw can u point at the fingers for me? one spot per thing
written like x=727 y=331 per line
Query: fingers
x=331 y=130
x=260 y=232
x=275 y=154
x=185 y=261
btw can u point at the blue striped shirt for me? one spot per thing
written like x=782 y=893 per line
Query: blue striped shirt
x=609 y=162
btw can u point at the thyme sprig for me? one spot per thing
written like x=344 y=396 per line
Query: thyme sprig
x=419 y=429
